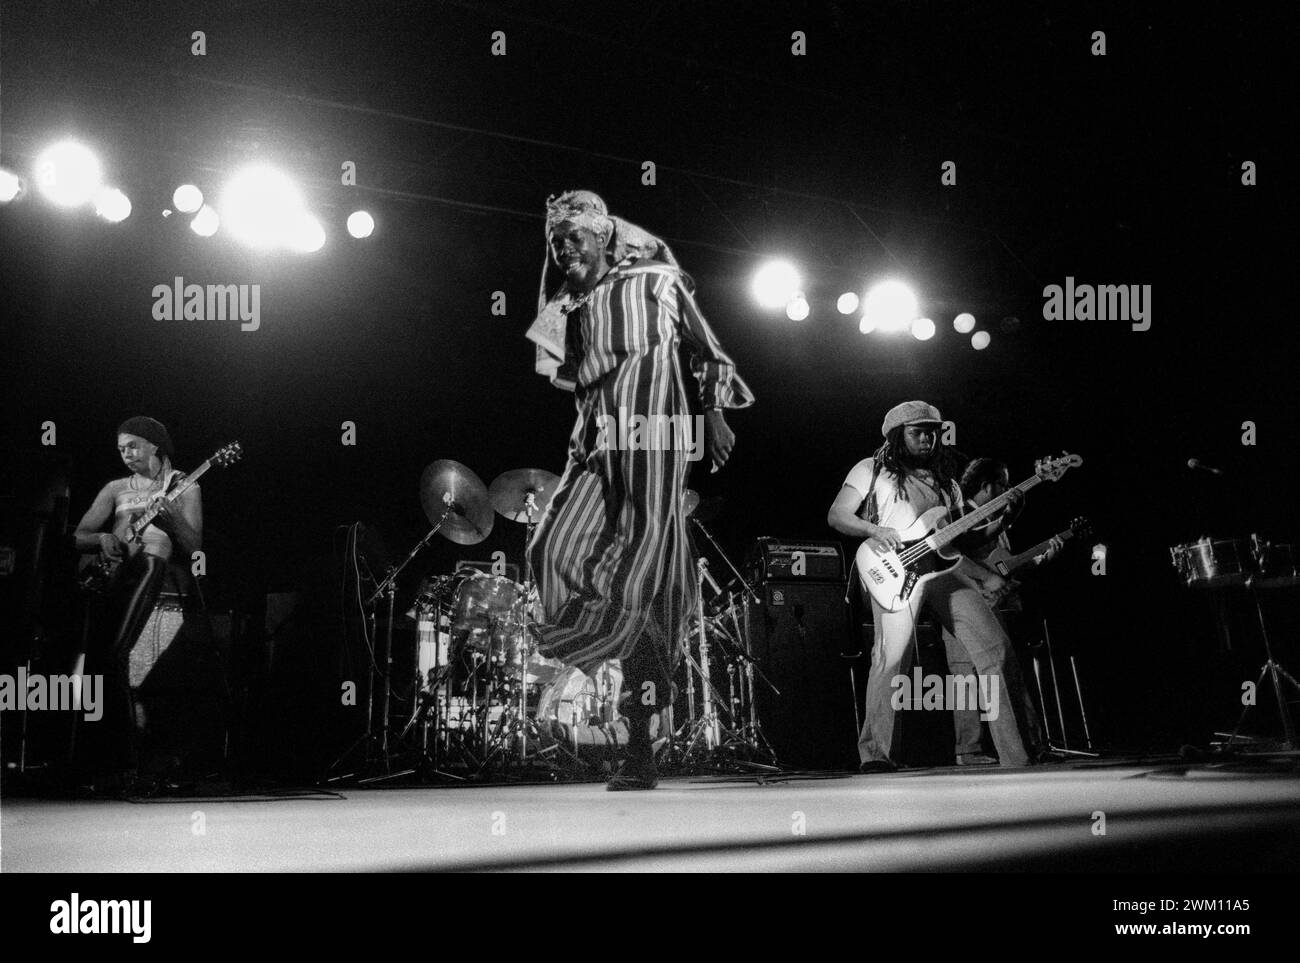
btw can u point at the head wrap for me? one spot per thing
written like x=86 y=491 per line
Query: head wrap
x=623 y=240
x=583 y=208
x=149 y=430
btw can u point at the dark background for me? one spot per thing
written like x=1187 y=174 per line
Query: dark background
x=1123 y=169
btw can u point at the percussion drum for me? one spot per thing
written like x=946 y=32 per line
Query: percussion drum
x=1215 y=564
x=575 y=698
x=434 y=647
x=479 y=600
x=1277 y=564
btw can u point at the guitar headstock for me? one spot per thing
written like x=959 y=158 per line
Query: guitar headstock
x=227 y=456
x=1080 y=528
x=1051 y=469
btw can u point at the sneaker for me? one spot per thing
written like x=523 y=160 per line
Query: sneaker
x=976 y=759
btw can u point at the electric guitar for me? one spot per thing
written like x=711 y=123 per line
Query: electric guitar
x=99 y=574
x=928 y=550
x=1004 y=563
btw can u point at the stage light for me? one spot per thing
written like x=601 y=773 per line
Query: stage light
x=360 y=224
x=923 y=329
x=798 y=308
x=112 y=205
x=68 y=174
x=11 y=186
x=775 y=284
x=980 y=340
x=964 y=323
x=205 y=222
x=848 y=303
x=261 y=207
x=867 y=324
x=891 y=305
x=307 y=235
x=187 y=198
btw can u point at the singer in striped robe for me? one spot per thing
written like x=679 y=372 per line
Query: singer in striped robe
x=611 y=554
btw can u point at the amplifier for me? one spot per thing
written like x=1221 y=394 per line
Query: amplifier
x=804 y=644
x=801 y=560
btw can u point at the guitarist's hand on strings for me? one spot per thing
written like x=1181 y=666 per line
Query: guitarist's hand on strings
x=884 y=540
x=110 y=546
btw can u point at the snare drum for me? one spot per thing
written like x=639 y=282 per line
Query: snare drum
x=1215 y=564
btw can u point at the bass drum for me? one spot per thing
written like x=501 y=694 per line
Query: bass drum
x=575 y=698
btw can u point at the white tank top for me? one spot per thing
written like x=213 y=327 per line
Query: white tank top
x=130 y=503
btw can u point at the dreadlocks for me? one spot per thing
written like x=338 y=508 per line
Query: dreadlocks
x=892 y=457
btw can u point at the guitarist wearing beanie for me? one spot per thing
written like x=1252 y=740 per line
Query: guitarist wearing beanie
x=156 y=561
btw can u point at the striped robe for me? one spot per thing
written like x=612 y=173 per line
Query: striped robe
x=611 y=553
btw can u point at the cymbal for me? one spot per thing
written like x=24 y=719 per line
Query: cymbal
x=690 y=500
x=510 y=491
x=446 y=483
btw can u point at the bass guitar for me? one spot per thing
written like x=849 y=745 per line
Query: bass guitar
x=891 y=577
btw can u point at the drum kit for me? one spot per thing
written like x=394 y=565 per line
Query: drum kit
x=486 y=702
x=1252 y=564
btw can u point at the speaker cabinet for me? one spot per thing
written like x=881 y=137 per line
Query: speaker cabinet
x=802 y=637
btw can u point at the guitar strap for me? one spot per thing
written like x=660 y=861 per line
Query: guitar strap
x=873 y=514
x=873 y=510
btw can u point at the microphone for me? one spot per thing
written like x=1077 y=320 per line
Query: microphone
x=1197 y=465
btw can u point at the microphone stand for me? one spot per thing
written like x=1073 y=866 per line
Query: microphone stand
x=384 y=665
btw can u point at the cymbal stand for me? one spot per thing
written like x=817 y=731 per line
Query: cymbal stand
x=370 y=738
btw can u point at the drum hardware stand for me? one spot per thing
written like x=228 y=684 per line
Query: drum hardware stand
x=433 y=701
x=371 y=739
x=1277 y=673
x=1064 y=747
x=515 y=722
x=753 y=734
x=708 y=728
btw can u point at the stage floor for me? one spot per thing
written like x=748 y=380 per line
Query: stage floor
x=1162 y=815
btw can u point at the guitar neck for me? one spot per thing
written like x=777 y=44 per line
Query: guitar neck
x=145 y=520
x=1027 y=556
x=961 y=526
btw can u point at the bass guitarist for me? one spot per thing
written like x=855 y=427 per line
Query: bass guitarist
x=911 y=473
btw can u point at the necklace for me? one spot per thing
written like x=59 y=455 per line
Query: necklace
x=152 y=485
